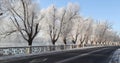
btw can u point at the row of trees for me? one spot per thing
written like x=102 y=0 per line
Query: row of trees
x=65 y=23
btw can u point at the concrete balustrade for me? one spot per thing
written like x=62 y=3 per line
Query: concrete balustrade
x=6 y=51
x=34 y=49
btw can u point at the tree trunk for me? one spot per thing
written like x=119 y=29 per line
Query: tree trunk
x=81 y=43
x=53 y=42
x=30 y=46
x=92 y=43
x=74 y=42
x=64 y=40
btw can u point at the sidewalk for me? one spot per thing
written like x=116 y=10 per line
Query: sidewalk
x=116 y=57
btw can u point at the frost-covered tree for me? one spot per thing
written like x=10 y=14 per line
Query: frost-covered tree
x=100 y=31
x=86 y=31
x=72 y=12
x=59 y=21
x=26 y=17
x=89 y=30
x=111 y=36
x=76 y=29
x=2 y=9
x=54 y=19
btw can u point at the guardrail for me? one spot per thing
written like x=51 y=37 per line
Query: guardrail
x=34 y=49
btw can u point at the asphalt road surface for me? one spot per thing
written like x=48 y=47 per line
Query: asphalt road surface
x=91 y=55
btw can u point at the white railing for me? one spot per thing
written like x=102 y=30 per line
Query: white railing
x=39 y=49
x=34 y=49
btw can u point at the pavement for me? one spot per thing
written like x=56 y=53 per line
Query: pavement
x=115 y=57
x=88 y=55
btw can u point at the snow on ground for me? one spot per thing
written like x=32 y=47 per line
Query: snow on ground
x=116 y=57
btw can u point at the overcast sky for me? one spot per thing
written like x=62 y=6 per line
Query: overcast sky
x=97 y=9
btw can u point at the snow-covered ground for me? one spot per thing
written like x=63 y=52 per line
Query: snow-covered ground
x=116 y=57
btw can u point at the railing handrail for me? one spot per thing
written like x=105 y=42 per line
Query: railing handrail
x=37 y=46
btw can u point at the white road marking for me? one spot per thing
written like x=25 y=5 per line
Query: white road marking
x=38 y=60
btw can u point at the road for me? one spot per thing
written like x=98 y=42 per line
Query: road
x=90 y=55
